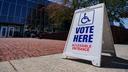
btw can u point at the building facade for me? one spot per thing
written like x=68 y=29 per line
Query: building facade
x=15 y=14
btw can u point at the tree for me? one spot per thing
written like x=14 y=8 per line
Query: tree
x=74 y=4
x=37 y=18
x=115 y=8
x=59 y=16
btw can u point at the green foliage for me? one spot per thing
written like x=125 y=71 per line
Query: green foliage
x=115 y=8
x=75 y=4
x=58 y=15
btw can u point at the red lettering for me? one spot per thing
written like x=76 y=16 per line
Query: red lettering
x=81 y=47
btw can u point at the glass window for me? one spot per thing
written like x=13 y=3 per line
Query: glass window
x=21 y=2
x=18 y=11
x=5 y=9
x=13 y=1
x=29 y=0
x=34 y=0
x=24 y=12
x=23 y=21
x=41 y=1
x=17 y=19
x=31 y=4
x=12 y=10
x=29 y=11
x=34 y=12
x=3 y=18
x=0 y=5
x=11 y=19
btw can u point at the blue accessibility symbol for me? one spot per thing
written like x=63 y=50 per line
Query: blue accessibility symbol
x=85 y=19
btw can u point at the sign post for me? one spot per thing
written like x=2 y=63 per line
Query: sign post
x=89 y=35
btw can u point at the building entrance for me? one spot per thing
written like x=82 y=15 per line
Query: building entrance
x=10 y=31
x=6 y=31
x=3 y=31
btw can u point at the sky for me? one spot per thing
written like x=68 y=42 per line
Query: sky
x=125 y=20
x=58 y=1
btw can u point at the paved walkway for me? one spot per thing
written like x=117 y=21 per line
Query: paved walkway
x=19 y=48
x=56 y=63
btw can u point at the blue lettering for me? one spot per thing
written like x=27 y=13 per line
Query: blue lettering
x=83 y=38
x=87 y=28
x=75 y=38
x=77 y=30
x=90 y=38
x=82 y=30
x=91 y=29
x=80 y=38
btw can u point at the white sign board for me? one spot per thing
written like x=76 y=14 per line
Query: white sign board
x=88 y=33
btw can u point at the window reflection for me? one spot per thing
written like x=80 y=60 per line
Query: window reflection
x=11 y=19
x=0 y=6
x=24 y=12
x=3 y=18
x=5 y=9
x=20 y=11
x=31 y=4
x=12 y=10
x=21 y=2
x=12 y=1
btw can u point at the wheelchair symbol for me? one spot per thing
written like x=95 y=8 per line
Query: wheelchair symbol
x=85 y=19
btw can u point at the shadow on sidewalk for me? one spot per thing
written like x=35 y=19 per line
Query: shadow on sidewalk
x=108 y=62
x=114 y=62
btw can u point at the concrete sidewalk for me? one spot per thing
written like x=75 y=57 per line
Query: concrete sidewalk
x=55 y=63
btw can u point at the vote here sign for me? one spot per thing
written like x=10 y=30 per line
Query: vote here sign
x=84 y=31
x=86 y=34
